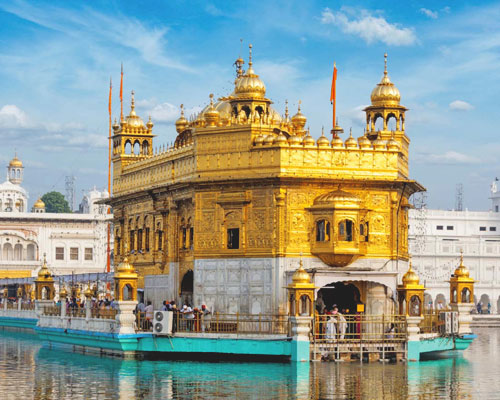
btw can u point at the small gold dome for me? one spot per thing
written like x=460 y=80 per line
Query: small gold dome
x=249 y=84
x=16 y=162
x=392 y=144
x=301 y=276
x=299 y=120
x=364 y=142
x=281 y=139
x=269 y=140
x=182 y=122
x=385 y=93
x=308 y=140
x=44 y=273
x=211 y=116
x=125 y=267
x=39 y=204
x=350 y=142
x=88 y=292
x=337 y=142
x=259 y=140
x=336 y=196
x=411 y=277
x=63 y=293
x=379 y=144
x=295 y=140
x=323 y=140
x=462 y=271
x=150 y=123
x=133 y=119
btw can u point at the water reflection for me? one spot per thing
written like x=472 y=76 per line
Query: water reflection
x=28 y=370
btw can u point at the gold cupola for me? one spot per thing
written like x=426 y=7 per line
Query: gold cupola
x=44 y=283
x=16 y=162
x=212 y=116
x=411 y=294
x=182 y=122
x=133 y=120
x=299 y=120
x=301 y=292
x=411 y=277
x=125 y=279
x=249 y=85
x=39 y=206
x=323 y=140
x=385 y=93
x=461 y=284
x=350 y=142
x=364 y=142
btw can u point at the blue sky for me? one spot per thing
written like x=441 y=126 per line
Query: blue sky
x=57 y=57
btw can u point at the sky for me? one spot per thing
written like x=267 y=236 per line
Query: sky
x=57 y=58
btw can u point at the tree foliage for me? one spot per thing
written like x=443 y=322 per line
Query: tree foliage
x=55 y=203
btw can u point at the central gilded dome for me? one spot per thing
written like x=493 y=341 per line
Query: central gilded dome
x=249 y=84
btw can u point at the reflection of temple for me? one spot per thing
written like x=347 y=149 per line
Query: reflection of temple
x=228 y=210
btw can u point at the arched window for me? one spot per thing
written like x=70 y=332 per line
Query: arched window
x=392 y=122
x=415 y=306
x=160 y=236
x=7 y=251
x=30 y=252
x=305 y=305
x=346 y=231
x=128 y=147
x=465 y=295
x=363 y=232
x=247 y=110
x=378 y=122
x=18 y=252
x=454 y=296
x=322 y=230
x=137 y=148
x=127 y=292
x=145 y=148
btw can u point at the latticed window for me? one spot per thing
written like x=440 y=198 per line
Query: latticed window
x=346 y=231
x=89 y=253
x=59 y=253
x=73 y=253
x=147 y=240
x=322 y=231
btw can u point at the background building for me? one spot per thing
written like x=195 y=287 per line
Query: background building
x=74 y=243
x=437 y=237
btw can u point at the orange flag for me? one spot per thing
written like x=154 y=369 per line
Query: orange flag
x=121 y=94
x=109 y=104
x=334 y=80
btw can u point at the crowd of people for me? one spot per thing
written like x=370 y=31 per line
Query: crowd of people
x=186 y=318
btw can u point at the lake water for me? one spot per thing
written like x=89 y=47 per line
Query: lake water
x=29 y=370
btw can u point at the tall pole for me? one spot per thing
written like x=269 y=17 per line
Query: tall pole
x=108 y=252
x=121 y=95
x=333 y=95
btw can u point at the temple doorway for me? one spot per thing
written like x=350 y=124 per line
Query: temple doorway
x=344 y=295
x=187 y=288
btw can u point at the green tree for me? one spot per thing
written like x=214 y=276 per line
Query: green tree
x=55 y=203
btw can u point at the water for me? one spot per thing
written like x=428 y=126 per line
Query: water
x=28 y=370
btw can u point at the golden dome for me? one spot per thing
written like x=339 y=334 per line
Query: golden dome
x=211 y=115
x=295 y=140
x=133 y=119
x=150 y=123
x=379 y=144
x=336 y=196
x=269 y=139
x=63 y=293
x=337 y=142
x=182 y=122
x=392 y=144
x=364 y=142
x=39 y=204
x=44 y=273
x=385 y=93
x=125 y=270
x=88 y=292
x=259 y=140
x=16 y=162
x=299 y=120
x=411 y=277
x=281 y=139
x=461 y=271
x=350 y=142
x=308 y=140
x=249 y=84
x=323 y=140
x=301 y=276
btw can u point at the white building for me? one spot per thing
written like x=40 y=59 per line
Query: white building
x=436 y=239
x=73 y=242
x=90 y=205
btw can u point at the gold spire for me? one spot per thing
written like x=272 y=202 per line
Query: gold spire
x=461 y=271
x=323 y=140
x=411 y=277
x=249 y=84
x=385 y=64
x=211 y=115
x=44 y=273
x=385 y=93
x=132 y=104
x=133 y=119
x=15 y=162
x=286 y=111
x=182 y=122
x=299 y=120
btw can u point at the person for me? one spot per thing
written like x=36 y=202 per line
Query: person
x=479 y=307
x=389 y=333
x=141 y=306
x=165 y=305
x=188 y=314
x=205 y=318
x=331 y=328
x=342 y=325
x=489 y=308
x=149 y=314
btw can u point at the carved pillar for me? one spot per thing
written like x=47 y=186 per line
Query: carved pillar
x=301 y=327
x=125 y=317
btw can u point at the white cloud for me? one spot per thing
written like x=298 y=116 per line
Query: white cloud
x=448 y=158
x=429 y=13
x=12 y=116
x=370 y=28
x=459 y=105
x=164 y=112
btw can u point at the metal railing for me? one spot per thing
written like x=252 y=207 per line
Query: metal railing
x=103 y=313
x=11 y=306
x=430 y=322
x=360 y=328
x=28 y=306
x=75 y=312
x=260 y=324
x=52 y=310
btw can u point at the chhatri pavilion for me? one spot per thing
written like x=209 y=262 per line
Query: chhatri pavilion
x=224 y=216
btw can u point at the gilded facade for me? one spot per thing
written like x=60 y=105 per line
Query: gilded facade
x=223 y=216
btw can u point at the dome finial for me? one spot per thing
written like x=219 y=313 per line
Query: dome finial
x=300 y=101
x=132 y=103
x=211 y=100
x=322 y=131
x=250 y=56
x=350 y=131
x=286 y=110
x=385 y=64
x=182 y=110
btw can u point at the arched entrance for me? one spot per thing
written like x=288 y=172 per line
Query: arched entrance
x=344 y=295
x=187 y=287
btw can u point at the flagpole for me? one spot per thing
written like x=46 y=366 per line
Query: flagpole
x=108 y=252
x=121 y=95
x=334 y=93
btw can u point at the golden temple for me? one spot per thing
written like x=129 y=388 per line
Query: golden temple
x=222 y=216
